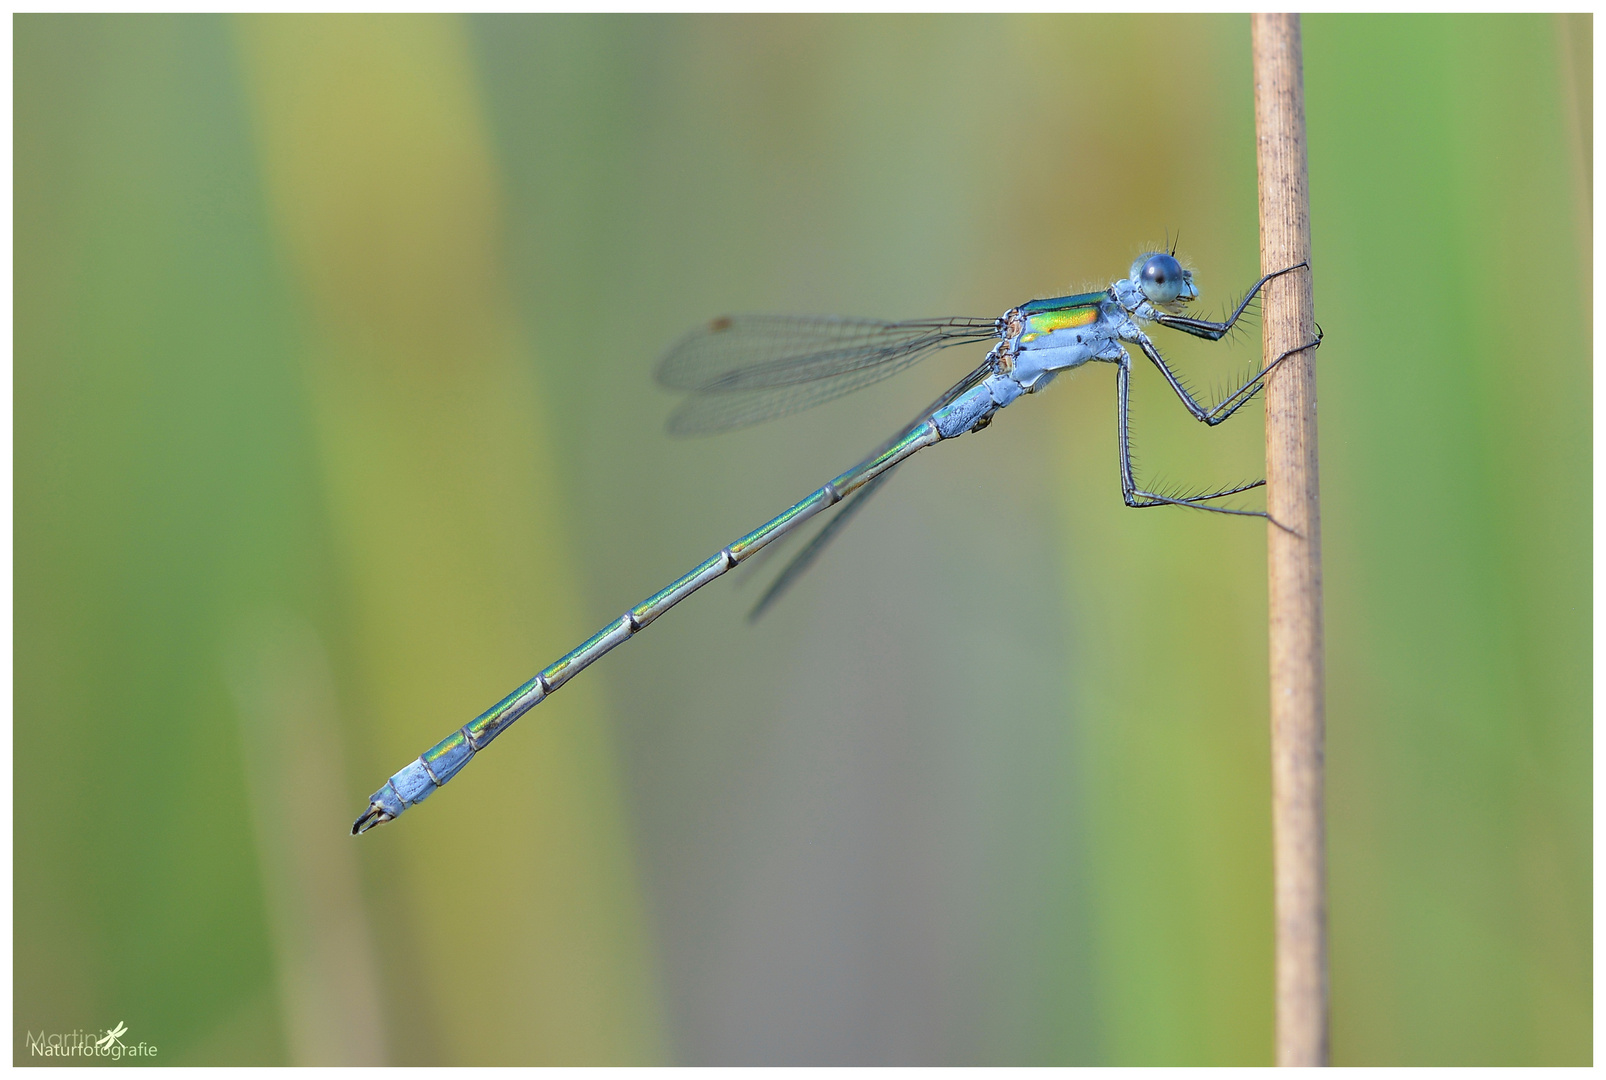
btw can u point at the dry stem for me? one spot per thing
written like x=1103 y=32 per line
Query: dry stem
x=1294 y=557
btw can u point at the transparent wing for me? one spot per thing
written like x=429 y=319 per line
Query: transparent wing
x=711 y=413
x=747 y=368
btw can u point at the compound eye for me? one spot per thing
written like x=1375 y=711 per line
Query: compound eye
x=1161 y=279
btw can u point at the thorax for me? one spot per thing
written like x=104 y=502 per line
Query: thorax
x=1048 y=336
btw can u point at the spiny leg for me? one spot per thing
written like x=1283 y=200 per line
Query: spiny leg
x=1234 y=401
x=1215 y=331
x=1138 y=498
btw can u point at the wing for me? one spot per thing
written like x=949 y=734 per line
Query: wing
x=746 y=368
x=811 y=551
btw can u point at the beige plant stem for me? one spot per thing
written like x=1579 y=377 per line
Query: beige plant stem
x=1294 y=553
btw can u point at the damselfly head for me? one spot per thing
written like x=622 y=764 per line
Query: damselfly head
x=1163 y=280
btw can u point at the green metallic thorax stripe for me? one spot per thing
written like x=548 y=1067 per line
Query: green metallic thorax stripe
x=1057 y=303
x=1061 y=313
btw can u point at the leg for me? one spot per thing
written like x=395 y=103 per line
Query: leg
x=1228 y=405
x=1135 y=496
x=1214 y=331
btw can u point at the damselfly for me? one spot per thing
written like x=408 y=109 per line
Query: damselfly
x=739 y=370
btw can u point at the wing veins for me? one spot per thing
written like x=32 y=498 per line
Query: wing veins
x=749 y=352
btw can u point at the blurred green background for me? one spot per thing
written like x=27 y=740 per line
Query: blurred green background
x=334 y=421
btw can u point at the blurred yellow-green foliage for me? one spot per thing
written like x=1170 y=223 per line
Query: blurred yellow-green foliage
x=334 y=422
